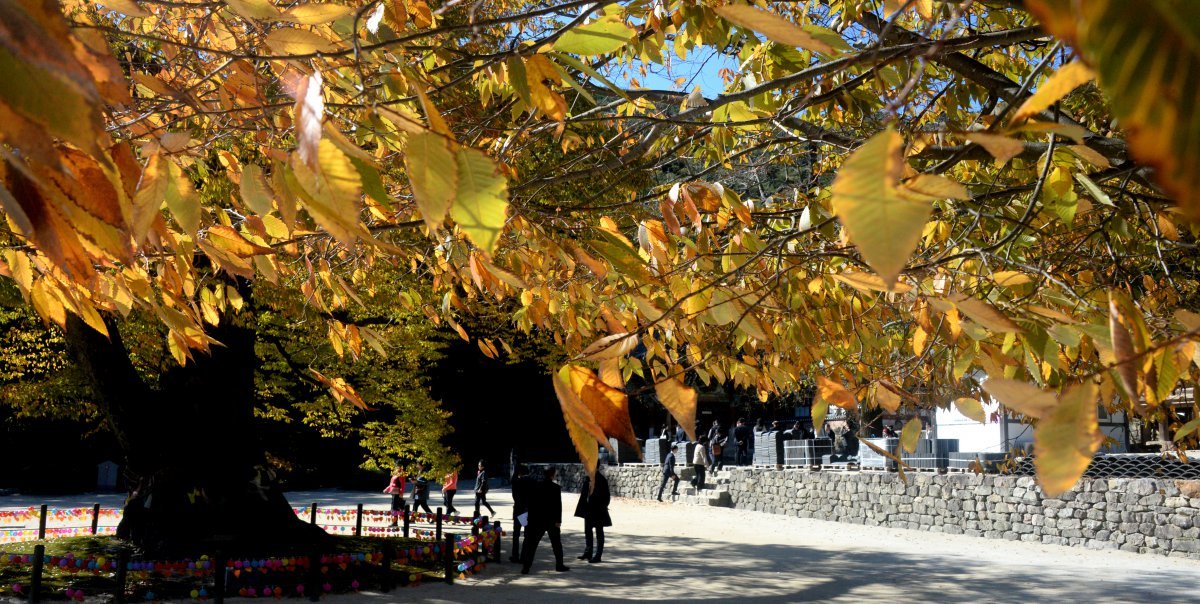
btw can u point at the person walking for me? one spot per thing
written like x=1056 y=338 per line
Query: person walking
x=700 y=462
x=396 y=489
x=545 y=518
x=523 y=488
x=449 y=488
x=669 y=474
x=420 y=494
x=481 y=491
x=597 y=518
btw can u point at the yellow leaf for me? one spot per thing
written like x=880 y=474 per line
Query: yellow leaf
x=885 y=398
x=341 y=390
x=1066 y=440
x=911 y=434
x=481 y=206
x=868 y=282
x=680 y=400
x=984 y=313
x=936 y=187
x=774 y=27
x=538 y=71
x=182 y=200
x=127 y=7
x=254 y=9
x=1145 y=55
x=585 y=433
x=1060 y=84
x=333 y=194
x=1123 y=350
x=1002 y=148
x=316 y=13
x=256 y=193
x=596 y=38
x=309 y=113
x=834 y=393
x=1022 y=397
x=1010 y=278
x=290 y=41
x=433 y=173
x=820 y=408
x=971 y=408
x=610 y=347
x=918 y=342
x=610 y=373
x=609 y=406
x=884 y=226
x=231 y=241
x=150 y=195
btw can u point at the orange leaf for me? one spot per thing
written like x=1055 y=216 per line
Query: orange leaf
x=609 y=406
x=680 y=400
x=835 y=393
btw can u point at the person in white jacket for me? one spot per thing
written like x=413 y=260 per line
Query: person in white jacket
x=700 y=461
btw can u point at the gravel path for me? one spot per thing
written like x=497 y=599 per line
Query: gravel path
x=664 y=552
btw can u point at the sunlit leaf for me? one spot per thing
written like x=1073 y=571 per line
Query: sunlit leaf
x=1060 y=84
x=984 y=313
x=835 y=394
x=1022 y=397
x=883 y=225
x=433 y=172
x=774 y=27
x=596 y=38
x=911 y=434
x=290 y=41
x=481 y=206
x=1065 y=441
x=680 y=400
x=971 y=408
x=609 y=406
x=610 y=347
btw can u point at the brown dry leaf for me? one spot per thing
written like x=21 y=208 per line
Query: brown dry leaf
x=1066 y=440
x=680 y=400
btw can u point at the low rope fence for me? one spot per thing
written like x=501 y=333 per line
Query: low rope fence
x=217 y=576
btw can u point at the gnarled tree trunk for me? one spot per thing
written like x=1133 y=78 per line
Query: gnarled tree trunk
x=196 y=470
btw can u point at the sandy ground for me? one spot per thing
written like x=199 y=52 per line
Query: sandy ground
x=670 y=553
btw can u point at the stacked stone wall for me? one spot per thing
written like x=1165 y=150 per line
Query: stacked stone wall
x=1142 y=515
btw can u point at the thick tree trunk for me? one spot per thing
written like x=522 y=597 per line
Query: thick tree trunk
x=196 y=470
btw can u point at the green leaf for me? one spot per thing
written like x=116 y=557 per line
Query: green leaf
x=1147 y=59
x=775 y=28
x=1187 y=429
x=885 y=226
x=433 y=172
x=1065 y=441
x=596 y=38
x=481 y=207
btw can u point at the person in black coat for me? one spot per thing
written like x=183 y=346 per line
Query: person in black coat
x=481 y=490
x=669 y=474
x=545 y=518
x=593 y=508
x=523 y=487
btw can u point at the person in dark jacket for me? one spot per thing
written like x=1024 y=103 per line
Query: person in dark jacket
x=669 y=473
x=420 y=494
x=523 y=487
x=545 y=517
x=593 y=508
x=743 y=438
x=481 y=490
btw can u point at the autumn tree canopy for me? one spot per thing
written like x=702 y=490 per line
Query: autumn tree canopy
x=884 y=198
